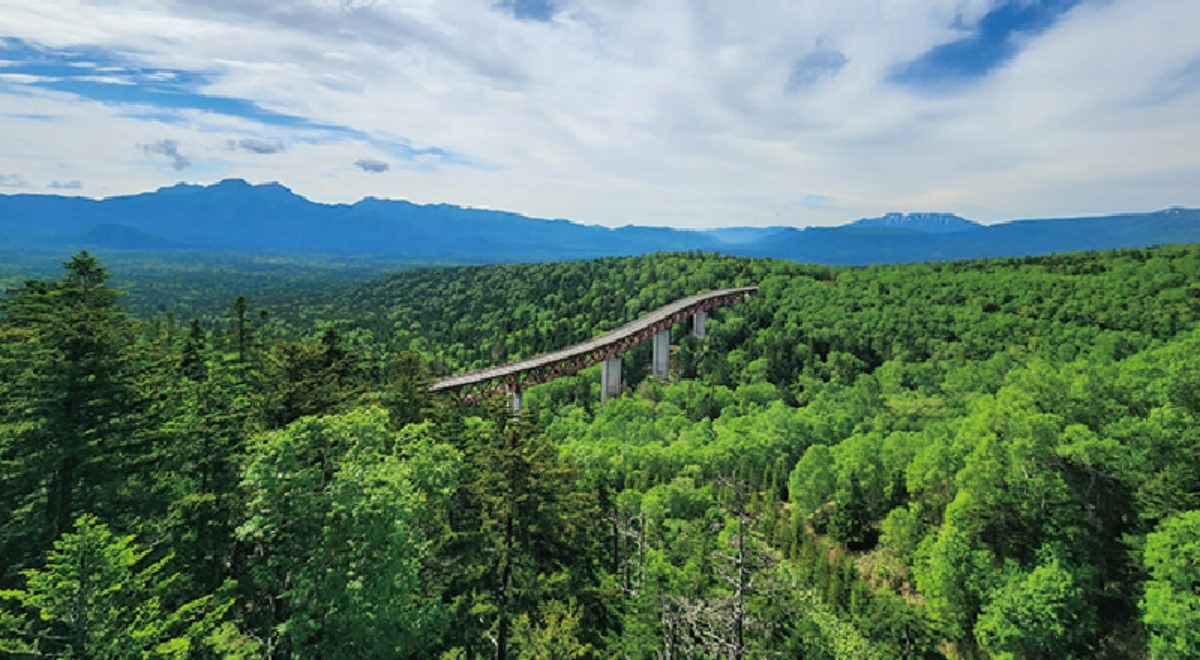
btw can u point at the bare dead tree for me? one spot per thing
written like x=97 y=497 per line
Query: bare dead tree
x=629 y=531
x=719 y=626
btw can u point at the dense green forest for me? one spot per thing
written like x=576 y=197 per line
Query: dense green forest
x=199 y=284
x=969 y=459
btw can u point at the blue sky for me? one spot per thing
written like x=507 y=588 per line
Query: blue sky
x=658 y=112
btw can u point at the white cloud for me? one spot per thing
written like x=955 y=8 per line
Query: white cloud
x=21 y=78
x=656 y=112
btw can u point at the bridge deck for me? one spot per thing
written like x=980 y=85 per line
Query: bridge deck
x=589 y=347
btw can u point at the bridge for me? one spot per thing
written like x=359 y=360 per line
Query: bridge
x=605 y=349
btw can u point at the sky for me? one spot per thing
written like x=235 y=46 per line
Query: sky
x=684 y=113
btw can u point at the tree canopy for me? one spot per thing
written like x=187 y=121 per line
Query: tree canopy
x=969 y=459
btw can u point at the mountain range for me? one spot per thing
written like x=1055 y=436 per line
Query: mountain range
x=235 y=216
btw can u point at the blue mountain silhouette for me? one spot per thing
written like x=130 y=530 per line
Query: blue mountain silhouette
x=234 y=215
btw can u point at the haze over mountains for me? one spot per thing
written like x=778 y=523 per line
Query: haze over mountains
x=234 y=216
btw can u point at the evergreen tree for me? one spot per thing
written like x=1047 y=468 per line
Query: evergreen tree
x=524 y=538
x=192 y=362
x=98 y=596
x=65 y=433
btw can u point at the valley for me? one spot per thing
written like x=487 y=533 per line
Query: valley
x=954 y=459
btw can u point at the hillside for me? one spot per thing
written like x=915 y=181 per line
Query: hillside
x=969 y=459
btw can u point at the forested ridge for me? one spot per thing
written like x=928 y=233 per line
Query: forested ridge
x=969 y=459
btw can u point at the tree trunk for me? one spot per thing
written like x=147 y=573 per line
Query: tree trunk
x=505 y=577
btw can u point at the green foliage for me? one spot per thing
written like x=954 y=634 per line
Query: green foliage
x=956 y=576
x=336 y=511
x=814 y=480
x=983 y=458
x=1040 y=614
x=65 y=427
x=521 y=524
x=99 y=597
x=555 y=636
x=1171 y=604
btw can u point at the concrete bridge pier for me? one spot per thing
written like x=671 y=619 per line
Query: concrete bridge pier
x=610 y=379
x=654 y=327
x=662 y=353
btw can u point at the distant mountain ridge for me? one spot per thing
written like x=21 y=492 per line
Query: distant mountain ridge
x=926 y=223
x=235 y=216
x=857 y=245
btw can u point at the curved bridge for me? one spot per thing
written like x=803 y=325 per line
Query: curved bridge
x=515 y=376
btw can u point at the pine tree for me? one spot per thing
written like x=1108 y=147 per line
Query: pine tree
x=524 y=538
x=98 y=596
x=192 y=361
x=65 y=432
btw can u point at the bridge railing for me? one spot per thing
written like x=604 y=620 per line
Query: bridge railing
x=517 y=375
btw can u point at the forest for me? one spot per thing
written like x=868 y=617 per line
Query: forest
x=969 y=459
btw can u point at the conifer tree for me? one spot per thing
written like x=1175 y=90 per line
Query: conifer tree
x=524 y=541
x=64 y=429
x=99 y=596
